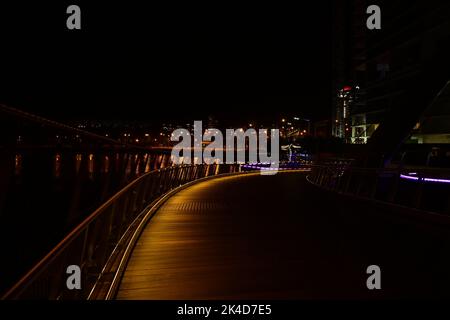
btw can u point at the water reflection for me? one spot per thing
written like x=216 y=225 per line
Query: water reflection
x=18 y=164
x=128 y=162
x=123 y=164
x=159 y=162
x=78 y=159
x=147 y=164
x=105 y=167
x=57 y=166
x=91 y=166
x=137 y=161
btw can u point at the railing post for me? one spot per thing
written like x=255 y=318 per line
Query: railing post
x=184 y=175
x=348 y=181
x=321 y=176
x=162 y=181
x=197 y=174
x=419 y=191
x=84 y=246
x=169 y=178
x=394 y=188
x=174 y=180
x=146 y=190
x=337 y=183
x=178 y=177
x=374 y=189
x=360 y=182
x=193 y=173
x=154 y=177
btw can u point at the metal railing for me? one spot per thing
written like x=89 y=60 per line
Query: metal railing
x=96 y=245
x=424 y=189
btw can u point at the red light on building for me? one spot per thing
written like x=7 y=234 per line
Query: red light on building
x=347 y=88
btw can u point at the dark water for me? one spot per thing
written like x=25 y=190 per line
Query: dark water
x=44 y=194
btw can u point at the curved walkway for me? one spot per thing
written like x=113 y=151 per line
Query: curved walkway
x=278 y=237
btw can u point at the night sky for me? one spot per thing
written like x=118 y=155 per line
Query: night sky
x=135 y=62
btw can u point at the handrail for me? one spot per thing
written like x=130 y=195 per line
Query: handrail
x=94 y=243
x=426 y=189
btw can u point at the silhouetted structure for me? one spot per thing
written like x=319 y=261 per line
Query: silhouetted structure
x=400 y=68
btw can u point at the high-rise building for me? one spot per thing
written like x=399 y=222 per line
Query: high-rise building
x=348 y=63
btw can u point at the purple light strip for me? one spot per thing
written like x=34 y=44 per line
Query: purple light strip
x=408 y=177
x=259 y=167
x=437 y=180
x=403 y=176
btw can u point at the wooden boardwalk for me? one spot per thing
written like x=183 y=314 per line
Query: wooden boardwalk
x=257 y=237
